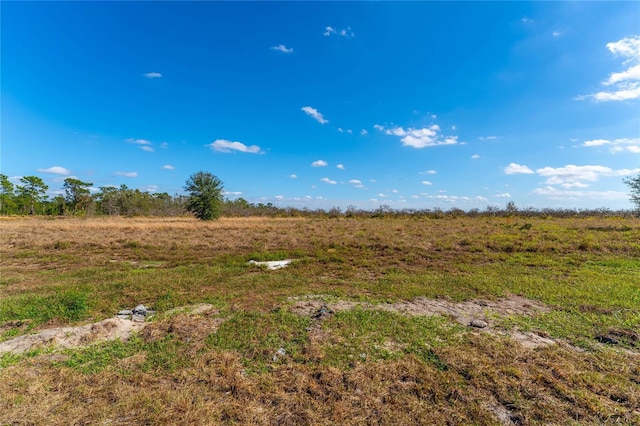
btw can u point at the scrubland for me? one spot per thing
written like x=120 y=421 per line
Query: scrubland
x=328 y=339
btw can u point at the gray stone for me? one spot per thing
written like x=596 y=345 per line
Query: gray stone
x=140 y=310
x=125 y=312
x=607 y=340
x=138 y=318
x=478 y=323
x=278 y=353
x=123 y=316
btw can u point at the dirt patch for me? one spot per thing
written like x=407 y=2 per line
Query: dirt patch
x=71 y=337
x=116 y=328
x=463 y=312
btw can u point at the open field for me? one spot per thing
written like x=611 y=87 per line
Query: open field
x=370 y=324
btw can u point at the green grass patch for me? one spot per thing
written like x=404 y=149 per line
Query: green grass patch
x=67 y=306
x=258 y=337
x=361 y=335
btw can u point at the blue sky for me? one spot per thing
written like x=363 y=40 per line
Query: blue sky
x=410 y=105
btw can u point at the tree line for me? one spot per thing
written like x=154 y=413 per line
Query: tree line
x=205 y=201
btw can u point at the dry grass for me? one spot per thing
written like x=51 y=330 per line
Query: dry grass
x=352 y=367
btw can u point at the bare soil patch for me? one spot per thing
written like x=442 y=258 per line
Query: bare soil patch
x=462 y=312
x=115 y=328
x=72 y=337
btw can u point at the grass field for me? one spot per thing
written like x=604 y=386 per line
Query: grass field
x=325 y=340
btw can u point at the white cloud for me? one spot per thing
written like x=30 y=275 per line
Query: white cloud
x=426 y=182
x=329 y=181
x=616 y=145
x=164 y=145
x=126 y=174
x=514 y=168
x=319 y=163
x=429 y=172
x=503 y=195
x=624 y=84
x=557 y=33
x=363 y=132
x=293 y=176
x=572 y=174
x=234 y=193
x=279 y=197
x=312 y=112
x=475 y=156
x=488 y=138
x=329 y=31
x=419 y=137
x=563 y=195
x=357 y=183
x=151 y=188
x=145 y=145
x=340 y=166
x=168 y=167
x=282 y=48
x=153 y=75
x=226 y=146
x=56 y=170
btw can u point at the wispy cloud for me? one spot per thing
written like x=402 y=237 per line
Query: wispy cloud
x=312 y=112
x=426 y=182
x=152 y=75
x=429 y=172
x=616 y=145
x=329 y=181
x=168 y=167
x=56 y=170
x=475 y=156
x=340 y=166
x=223 y=145
x=574 y=176
x=145 y=145
x=624 y=85
x=503 y=195
x=282 y=48
x=293 y=176
x=515 y=168
x=567 y=194
x=319 y=163
x=364 y=132
x=345 y=32
x=126 y=174
x=419 y=137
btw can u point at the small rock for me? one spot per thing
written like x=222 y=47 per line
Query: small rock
x=478 y=323
x=279 y=352
x=137 y=317
x=140 y=310
x=323 y=312
x=608 y=340
x=125 y=312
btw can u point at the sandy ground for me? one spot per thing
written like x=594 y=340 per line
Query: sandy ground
x=462 y=312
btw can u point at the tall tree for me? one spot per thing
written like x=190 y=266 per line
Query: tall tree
x=7 y=196
x=205 y=195
x=31 y=192
x=77 y=194
x=634 y=186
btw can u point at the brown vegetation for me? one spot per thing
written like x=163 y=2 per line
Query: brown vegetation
x=269 y=354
